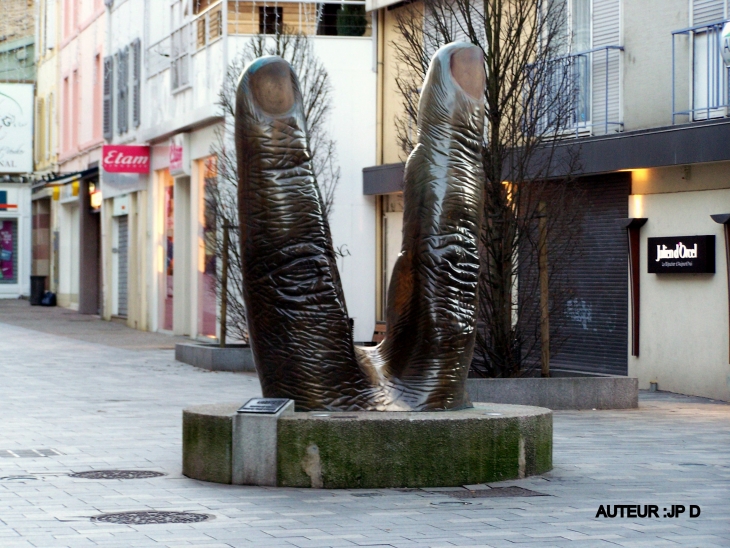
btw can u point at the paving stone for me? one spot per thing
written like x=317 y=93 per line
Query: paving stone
x=116 y=404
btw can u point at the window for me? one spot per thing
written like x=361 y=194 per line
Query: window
x=571 y=41
x=270 y=20
x=50 y=124
x=108 y=98
x=8 y=250
x=40 y=127
x=180 y=58
x=66 y=115
x=75 y=109
x=98 y=92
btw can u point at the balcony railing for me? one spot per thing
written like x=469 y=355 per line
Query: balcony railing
x=337 y=18
x=579 y=93
x=706 y=93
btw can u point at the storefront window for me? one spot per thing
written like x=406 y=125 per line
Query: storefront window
x=207 y=303
x=8 y=251
x=169 y=241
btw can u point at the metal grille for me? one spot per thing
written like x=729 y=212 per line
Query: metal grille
x=28 y=453
x=496 y=492
x=123 y=247
x=151 y=517
x=117 y=474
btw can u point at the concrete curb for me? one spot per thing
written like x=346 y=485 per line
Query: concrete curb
x=368 y=450
x=558 y=393
x=235 y=357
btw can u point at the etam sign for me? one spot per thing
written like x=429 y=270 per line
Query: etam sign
x=125 y=159
x=691 y=254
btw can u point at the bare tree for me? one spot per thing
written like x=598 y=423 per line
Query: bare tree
x=533 y=100
x=221 y=192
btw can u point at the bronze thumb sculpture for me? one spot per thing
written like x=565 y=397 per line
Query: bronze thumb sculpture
x=296 y=310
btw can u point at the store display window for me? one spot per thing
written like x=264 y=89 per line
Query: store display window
x=8 y=251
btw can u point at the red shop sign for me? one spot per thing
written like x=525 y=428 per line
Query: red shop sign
x=125 y=159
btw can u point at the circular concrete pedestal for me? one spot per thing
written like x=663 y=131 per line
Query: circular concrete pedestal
x=333 y=450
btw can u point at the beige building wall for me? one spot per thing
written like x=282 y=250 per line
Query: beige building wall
x=647 y=67
x=46 y=119
x=684 y=317
x=390 y=101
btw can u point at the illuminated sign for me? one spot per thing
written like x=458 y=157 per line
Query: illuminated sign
x=677 y=254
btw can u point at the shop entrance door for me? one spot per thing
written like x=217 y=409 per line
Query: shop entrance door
x=120 y=265
x=181 y=317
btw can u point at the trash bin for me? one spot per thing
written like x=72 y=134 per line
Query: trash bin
x=37 y=289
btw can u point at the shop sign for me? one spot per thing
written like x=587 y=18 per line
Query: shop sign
x=126 y=159
x=8 y=200
x=180 y=154
x=684 y=254
x=16 y=128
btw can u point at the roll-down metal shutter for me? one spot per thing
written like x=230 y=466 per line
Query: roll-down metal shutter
x=596 y=322
x=122 y=247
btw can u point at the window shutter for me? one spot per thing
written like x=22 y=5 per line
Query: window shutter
x=50 y=127
x=122 y=90
x=108 y=99
x=40 y=123
x=136 y=83
x=707 y=11
x=606 y=25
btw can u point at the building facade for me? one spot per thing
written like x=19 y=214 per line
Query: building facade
x=76 y=237
x=17 y=80
x=651 y=134
x=45 y=236
x=165 y=63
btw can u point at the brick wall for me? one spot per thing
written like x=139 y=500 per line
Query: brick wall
x=17 y=20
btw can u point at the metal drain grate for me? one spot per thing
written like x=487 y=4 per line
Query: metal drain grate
x=366 y=494
x=28 y=453
x=151 y=517
x=496 y=492
x=116 y=474
x=450 y=503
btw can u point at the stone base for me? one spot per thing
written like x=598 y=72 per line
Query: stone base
x=376 y=450
x=234 y=357
x=558 y=392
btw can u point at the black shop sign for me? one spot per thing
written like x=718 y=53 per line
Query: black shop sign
x=687 y=254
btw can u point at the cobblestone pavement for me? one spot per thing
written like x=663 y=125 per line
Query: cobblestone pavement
x=87 y=406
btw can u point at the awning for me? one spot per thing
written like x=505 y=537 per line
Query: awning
x=65 y=178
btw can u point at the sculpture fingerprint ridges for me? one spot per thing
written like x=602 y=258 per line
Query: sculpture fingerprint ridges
x=297 y=317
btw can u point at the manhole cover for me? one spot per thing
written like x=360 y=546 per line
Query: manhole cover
x=117 y=474
x=450 y=503
x=150 y=517
x=18 y=478
x=496 y=492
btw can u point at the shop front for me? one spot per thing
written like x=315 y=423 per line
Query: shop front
x=680 y=333
x=186 y=264
x=15 y=238
x=124 y=194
